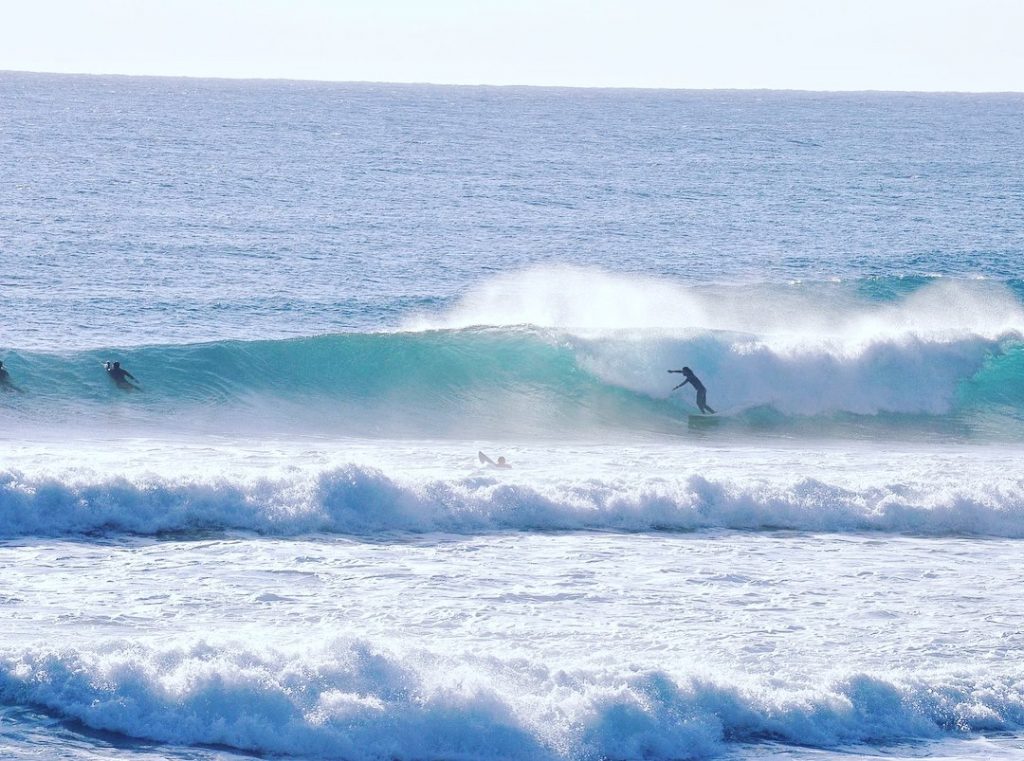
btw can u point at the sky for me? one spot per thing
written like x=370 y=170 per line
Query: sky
x=931 y=45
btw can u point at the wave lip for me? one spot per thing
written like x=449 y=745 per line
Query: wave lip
x=590 y=301
x=359 y=501
x=354 y=701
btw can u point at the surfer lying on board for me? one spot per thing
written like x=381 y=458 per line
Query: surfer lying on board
x=491 y=463
x=5 y=379
x=702 y=393
x=120 y=376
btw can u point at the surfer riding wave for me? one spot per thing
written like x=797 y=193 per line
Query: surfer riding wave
x=702 y=392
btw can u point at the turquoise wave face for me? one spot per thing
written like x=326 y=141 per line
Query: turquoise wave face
x=537 y=382
x=426 y=384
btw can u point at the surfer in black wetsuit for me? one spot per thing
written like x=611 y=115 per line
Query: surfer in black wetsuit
x=5 y=379
x=120 y=376
x=702 y=393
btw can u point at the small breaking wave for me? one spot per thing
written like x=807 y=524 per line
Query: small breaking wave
x=364 y=502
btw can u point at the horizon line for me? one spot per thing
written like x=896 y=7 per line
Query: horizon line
x=507 y=85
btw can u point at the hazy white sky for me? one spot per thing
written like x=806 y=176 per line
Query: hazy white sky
x=975 y=45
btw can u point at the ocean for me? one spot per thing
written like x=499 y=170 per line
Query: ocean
x=334 y=296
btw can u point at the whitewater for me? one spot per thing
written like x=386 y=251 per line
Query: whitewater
x=334 y=296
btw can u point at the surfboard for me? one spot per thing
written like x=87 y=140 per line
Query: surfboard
x=485 y=460
x=704 y=421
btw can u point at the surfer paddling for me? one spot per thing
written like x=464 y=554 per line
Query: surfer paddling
x=702 y=393
x=121 y=377
x=491 y=463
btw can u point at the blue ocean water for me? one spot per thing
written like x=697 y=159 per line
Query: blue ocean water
x=334 y=295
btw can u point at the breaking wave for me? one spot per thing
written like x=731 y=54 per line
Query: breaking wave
x=948 y=356
x=364 y=502
x=354 y=701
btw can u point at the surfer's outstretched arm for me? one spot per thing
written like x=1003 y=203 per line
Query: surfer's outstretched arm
x=681 y=384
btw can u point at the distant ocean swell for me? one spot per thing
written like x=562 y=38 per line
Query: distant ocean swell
x=350 y=700
x=364 y=502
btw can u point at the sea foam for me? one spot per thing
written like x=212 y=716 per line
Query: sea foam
x=357 y=701
x=362 y=501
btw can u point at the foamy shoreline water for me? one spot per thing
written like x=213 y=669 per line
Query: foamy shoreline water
x=550 y=645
